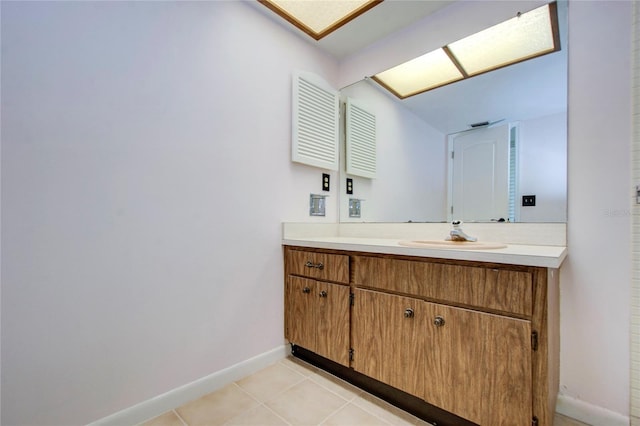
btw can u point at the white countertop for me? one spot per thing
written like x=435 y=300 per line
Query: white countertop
x=513 y=254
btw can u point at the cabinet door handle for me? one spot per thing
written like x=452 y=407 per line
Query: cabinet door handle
x=408 y=313
x=438 y=321
x=323 y=293
x=306 y=290
x=310 y=264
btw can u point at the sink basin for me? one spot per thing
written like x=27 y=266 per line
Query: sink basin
x=456 y=245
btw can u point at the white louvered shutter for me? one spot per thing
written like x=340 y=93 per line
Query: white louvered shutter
x=315 y=122
x=360 y=140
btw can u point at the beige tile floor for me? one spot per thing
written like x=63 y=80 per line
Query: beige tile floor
x=292 y=392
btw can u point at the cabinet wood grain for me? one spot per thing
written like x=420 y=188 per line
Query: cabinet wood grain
x=508 y=291
x=507 y=350
x=317 y=317
x=332 y=318
x=478 y=365
x=457 y=334
x=387 y=339
x=321 y=266
x=490 y=288
x=300 y=315
x=453 y=361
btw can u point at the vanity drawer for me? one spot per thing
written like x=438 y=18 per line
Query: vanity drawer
x=321 y=266
x=490 y=288
x=495 y=289
x=387 y=274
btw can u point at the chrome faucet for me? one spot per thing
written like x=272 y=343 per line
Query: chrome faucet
x=457 y=234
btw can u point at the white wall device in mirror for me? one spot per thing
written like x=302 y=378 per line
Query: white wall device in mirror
x=430 y=146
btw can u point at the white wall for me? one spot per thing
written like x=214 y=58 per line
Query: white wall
x=595 y=280
x=132 y=258
x=542 y=161
x=145 y=176
x=411 y=175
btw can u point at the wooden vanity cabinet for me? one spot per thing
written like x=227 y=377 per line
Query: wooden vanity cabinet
x=477 y=340
x=473 y=364
x=317 y=312
x=388 y=339
x=486 y=358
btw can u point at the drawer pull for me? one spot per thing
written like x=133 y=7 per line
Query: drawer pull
x=408 y=313
x=323 y=293
x=310 y=264
x=438 y=321
x=306 y=290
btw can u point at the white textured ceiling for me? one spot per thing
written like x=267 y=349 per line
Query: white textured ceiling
x=373 y=25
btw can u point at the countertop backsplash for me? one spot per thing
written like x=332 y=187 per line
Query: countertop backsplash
x=545 y=234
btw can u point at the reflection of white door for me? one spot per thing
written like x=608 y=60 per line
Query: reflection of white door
x=480 y=178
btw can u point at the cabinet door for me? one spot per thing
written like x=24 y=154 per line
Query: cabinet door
x=388 y=339
x=300 y=298
x=332 y=321
x=478 y=365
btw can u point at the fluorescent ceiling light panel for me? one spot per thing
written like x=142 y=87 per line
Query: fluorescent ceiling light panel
x=319 y=17
x=520 y=38
x=526 y=36
x=425 y=72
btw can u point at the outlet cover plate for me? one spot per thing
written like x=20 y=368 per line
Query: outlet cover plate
x=325 y=182
x=528 y=200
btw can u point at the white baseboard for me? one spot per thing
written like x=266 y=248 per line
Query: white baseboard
x=179 y=396
x=588 y=413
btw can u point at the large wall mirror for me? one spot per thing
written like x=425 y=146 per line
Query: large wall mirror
x=416 y=176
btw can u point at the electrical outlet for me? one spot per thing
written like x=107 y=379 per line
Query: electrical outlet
x=349 y=186
x=528 y=200
x=325 y=182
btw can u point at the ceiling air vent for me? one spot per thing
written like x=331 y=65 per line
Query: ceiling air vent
x=480 y=124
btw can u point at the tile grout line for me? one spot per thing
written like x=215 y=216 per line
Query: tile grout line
x=250 y=395
x=333 y=392
x=374 y=415
x=383 y=405
x=264 y=403
x=314 y=375
x=311 y=367
x=310 y=379
x=276 y=414
x=303 y=378
x=361 y=392
x=348 y=401
x=179 y=417
x=245 y=411
x=322 y=373
x=334 y=412
x=260 y=404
